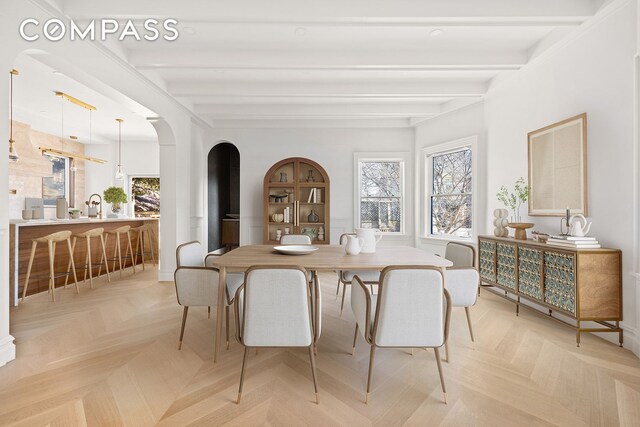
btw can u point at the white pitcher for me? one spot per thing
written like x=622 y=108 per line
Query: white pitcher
x=370 y=237
x=354 y=245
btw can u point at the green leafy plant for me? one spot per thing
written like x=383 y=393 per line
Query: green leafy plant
x=516 y=199
x=115 y=195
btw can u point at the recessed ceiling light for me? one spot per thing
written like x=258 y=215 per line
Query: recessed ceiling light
x=437 y=32
x=300 y=31
x=189 y=30
x=43 y=111
x=57 y=73
x=73 y=137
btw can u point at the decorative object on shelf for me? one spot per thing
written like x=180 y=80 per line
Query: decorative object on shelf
x=370 y=238
x=119 y=172
x=578 y=226
x=62 y=208
x=311 y=232
x=556 y=279
x=287 y=230
x=116 y=196
x=516 y=199
x=278 y=198
x=538 y=236
x=574 y=242
x=277 y=217
x=27 y=214
x=354 y=244
x=283 y=177
x=557 y=157
x=313 y=216
x=13 y=154
x=520 y=229
x=564 y=223
x=278 y=234
x=321 y=233
x=310 y=177
x=500 y=222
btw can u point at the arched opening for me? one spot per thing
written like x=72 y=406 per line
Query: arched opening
x=223 y=191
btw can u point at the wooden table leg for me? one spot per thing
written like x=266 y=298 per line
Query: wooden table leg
x=222 y=283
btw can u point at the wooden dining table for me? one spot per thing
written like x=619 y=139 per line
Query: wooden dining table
x=326 y=258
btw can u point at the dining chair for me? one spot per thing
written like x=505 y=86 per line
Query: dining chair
x=273 y=308
x=295 y=239
x=412 y=310
x=191 y=264
x=461 y=255
x=346 y=277
x=462 y=285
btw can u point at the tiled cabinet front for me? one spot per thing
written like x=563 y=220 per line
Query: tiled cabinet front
x=487 y=260
x=560 y=280
x=506 y=265
x=530 y=272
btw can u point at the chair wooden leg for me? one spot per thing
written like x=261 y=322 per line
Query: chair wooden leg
x=184 y=322
x=226 y=312
x=73 y=266
x=313 y=372
x=244 y=365
x=52 y=274
x=209 y=312
x=103 y=258
x=153 y=255
x=370 y=375
x=140 y=249
x=26 y=280
x=355 y=337
x=89 y=266
x=73 y=248
x=439 y=363
x=467 y=312
x=338 y=288
x=446 y=351
x=105 y=237
x=344 y=291
x=133 y=263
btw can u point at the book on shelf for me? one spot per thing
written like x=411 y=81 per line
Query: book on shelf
x=573 y=238
x=318 y=195
x=311 y=195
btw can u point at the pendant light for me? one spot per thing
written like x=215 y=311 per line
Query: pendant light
x=119 y=173
x=13 y=154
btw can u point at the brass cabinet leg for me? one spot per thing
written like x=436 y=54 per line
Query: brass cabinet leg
x=370 y=375
x=184 y=322
x=244 y=365
x=26 y=280
x=313 y=373
x=439 y=363
x=355 y=337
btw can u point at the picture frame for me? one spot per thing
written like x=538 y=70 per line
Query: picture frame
x=557 y=168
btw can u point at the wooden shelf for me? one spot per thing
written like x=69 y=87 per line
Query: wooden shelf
x=312 y=223
x=284 y=224
x=281 y=184
x=312 y=184
x=308 y=203
x=280 y=204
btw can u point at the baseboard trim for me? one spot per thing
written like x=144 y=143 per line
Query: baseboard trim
x=165 y=276
x=631 y=339
x=7 y=350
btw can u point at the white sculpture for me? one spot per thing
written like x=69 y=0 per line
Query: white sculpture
x=501 y=222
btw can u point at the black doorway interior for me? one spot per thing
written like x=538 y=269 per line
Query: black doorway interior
x=223 y=196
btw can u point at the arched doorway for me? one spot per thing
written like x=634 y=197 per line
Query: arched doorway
x=223 y=190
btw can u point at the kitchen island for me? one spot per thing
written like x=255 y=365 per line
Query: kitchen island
x=22 y=232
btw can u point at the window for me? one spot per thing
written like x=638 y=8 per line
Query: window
x=381 y=194
x=146 y=197
x=56 y=185
x=449 y=188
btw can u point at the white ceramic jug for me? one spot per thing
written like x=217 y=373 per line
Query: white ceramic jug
x=578 y=225
x=370 y=237
x=354 y=245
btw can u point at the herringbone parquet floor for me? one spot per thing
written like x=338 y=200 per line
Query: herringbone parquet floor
x=109 y=357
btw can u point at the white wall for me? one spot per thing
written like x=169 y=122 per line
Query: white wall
x=593 y=72
x=458 y=124
x=331 y=148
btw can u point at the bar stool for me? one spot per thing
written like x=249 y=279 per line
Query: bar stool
x=143 y=230
x=51 y=241
x=88 y=263
x=117 y=252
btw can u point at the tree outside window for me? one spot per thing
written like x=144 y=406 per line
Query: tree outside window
x=146 y=197
x=451 y=198
x=381 y=195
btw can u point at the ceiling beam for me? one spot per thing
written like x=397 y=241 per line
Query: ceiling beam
x=290 y=60
x=365 y=12
x=230 y=111
x=353 y=90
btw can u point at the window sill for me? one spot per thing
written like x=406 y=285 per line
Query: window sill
x=447 y=239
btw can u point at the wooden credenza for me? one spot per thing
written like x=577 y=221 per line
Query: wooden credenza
x=582 y=284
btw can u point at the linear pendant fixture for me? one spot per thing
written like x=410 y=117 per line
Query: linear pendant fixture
x=119 y=173
x=13 y=154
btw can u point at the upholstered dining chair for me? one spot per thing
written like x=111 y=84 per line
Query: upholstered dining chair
x=346 y=277
x=412 y=309
x=461 y=255
x=195 y=279
x=273 y=308
x=295 y=239
x=462 y=285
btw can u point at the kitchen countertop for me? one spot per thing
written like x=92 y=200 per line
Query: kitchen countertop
x=40 y=222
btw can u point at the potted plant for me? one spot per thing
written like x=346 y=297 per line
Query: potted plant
x=115 y=196
x=514 y=200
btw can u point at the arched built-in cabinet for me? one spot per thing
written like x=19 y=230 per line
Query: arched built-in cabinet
x=297 y=198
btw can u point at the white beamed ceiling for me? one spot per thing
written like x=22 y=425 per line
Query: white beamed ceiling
x=256 y=61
